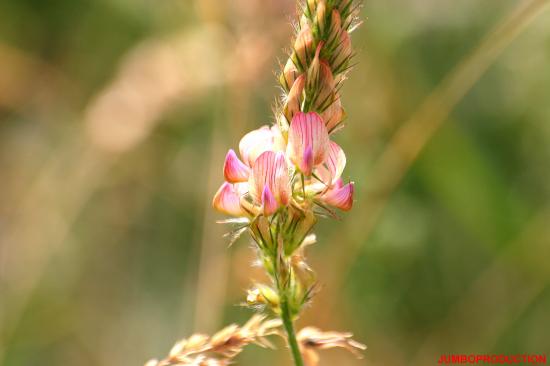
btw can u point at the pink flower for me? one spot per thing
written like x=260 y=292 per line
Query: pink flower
x=339 y=196
x=308 y=141
x=234 y=170
x=269 y=181
x=254 y=143
x=228 y=199
x=334 y=165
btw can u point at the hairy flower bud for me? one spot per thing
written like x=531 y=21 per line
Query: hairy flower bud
x=321 y=16
x=289 y=75
x=294 y=98
x=342 y=54
x=303 y=47
x=334 y=114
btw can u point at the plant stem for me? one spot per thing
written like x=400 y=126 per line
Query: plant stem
x=291 y=335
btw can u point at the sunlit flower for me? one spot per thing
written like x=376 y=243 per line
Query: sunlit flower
x=234 y=170
x=308 y=141
x=254 y=143
x=228 y=199
x=269 y=182
x=339 y=196
x=333 y=166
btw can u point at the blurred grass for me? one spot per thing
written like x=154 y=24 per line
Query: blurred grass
x=108 y=250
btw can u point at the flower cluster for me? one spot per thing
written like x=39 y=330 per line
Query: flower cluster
x=301 y=169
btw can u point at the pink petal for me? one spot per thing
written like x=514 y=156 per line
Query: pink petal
x=334 y=164
x=307 y=161
x=282 y=179
x=340 y=196
x=234 y=170
x=307 y=130
x=228 y=201
x=254 y=143
x=269 y=203
x=271 y=170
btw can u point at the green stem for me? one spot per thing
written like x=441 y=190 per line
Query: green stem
x=291 y=335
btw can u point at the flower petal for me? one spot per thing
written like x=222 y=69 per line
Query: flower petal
x=269 y=203
x=334 y=165
x=307 y=161
x=270 y=169
x=234 y=170
x=307 y=130
x=227 y=200
x=254 y=143
x=340 y=196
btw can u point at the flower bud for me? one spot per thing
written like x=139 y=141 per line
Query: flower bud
x=227 y=200
x=314 y=70
x=289 y=75
x=335 y=29
x=321 y=16
x=303 y=47
x=326 y=89
x=234 y=170
x=294 y=99
x=342 y=53
x=334 y=114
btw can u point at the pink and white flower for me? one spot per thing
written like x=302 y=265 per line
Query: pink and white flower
x=339 y=195
x=269 y=183
x=227 y=199
x=254 y=143
x=308 y=141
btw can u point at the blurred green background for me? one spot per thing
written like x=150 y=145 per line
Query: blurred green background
x=115 y=116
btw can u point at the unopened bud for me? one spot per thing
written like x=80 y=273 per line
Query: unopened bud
x=314 y=69
x=325 y=94
x=334 y=114
x=321 y=15
x=294 y=98
x=303 y=47
x=343 y=53
x=289 y=75
x=335 y=29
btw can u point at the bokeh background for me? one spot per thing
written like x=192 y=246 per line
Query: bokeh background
x=115 y=116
